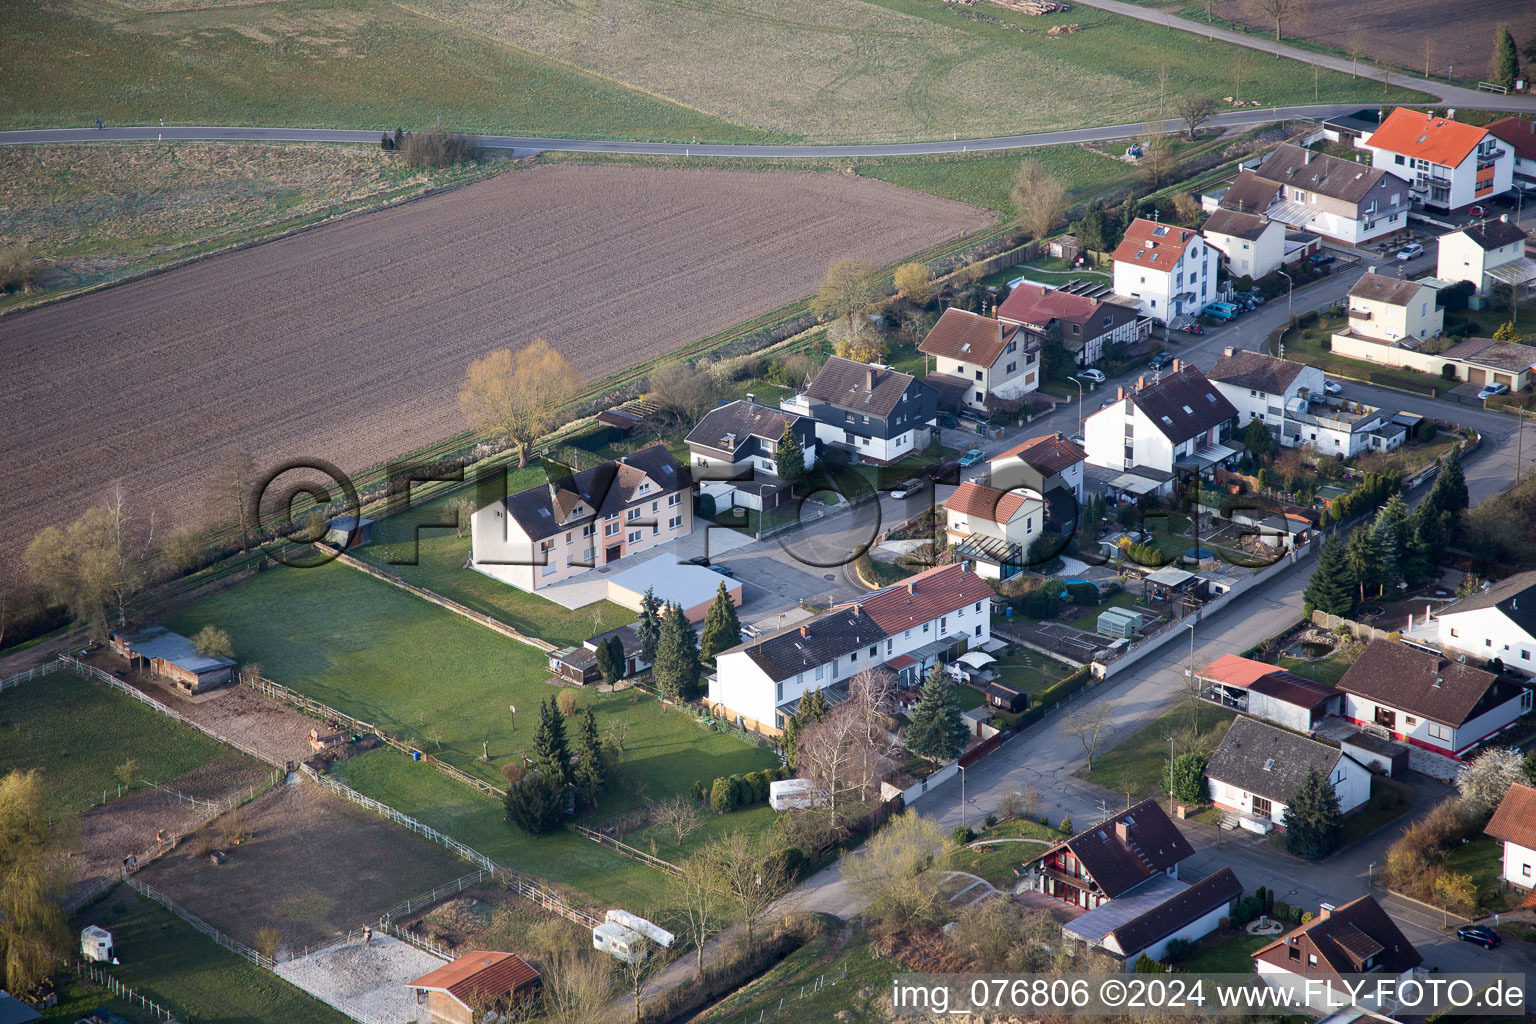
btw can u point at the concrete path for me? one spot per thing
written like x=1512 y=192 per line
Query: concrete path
x=1452 y=95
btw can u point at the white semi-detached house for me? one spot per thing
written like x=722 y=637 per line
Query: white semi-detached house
x=1485 y=254
x=1251 y=245
x=1180 y=421
x=1448 y=165
x=976 y=357
x=1169 y=270
x=1258 y=768
x=1322 y=195
x=1262 y=387
x=1499 y=622
x=1520 y=135
x=935 y=616
x=1514 y=825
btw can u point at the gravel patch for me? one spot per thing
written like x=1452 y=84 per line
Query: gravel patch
x=366 y=982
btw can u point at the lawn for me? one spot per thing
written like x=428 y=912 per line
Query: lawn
x=311 y=63
x=888 y=70
x=1137 y=765
x=1329 y=670
x=168 y=961
x=106 y=211
x=440 y=554
x=1311 y=350
x=1229 y=956
x=79 y=998
x=1481 y=858
x=987 y=181
x=76 y=732
x=1030 y=671
x=1389 y=801
x=997 y=863
x=443 y=682
x=821 y=981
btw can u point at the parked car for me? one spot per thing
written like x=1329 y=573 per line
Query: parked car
x=1079 y=440
x=1331 y=386
x=723 y=570
x=1160 y=360
x=1090 y=374
x=1320 y=259
x=699 y=560
x=1108 y=402
x=1222 y=311
x=1413 y=250
x=972 y=457
x=1479 y=934
x=906 y=489
x=1493 y=390
x=1478 y=211
x=941 y=470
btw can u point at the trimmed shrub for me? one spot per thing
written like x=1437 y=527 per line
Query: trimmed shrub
x=991 y=820
x=1178 y=949
x=1066 y=826
x=963 y=834
x=513 y=772
x=759 y=783
x=722 y=796
x=568 y=701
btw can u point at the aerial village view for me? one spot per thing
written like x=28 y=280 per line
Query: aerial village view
x=836 y=512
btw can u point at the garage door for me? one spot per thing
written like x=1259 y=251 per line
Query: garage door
x=1476 y=376
x=1504 y=378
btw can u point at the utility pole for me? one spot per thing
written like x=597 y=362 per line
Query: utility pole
x=1170 y=774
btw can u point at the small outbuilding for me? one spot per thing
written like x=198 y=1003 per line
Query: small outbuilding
x=14 y=1011
x=455 y=993
x=681 y=583
x=96 y=944
x=172 y=656
x=349 y=531
x=1005 y=697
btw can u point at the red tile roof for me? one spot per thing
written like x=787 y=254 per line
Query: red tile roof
x=989 y=503
x=1148 y=243
x=1519 y=133
x=1049 y=453
x=479 y=974
x=1232 y=670
x=1515 y=820
x=1038 y=305
x=937 y=591
x=1427 y=137
x=968 y=337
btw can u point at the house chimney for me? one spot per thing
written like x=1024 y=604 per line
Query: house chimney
x=857 y=607
x=1229 y=350
x=1123 y=832
x=1323 y=910
x=869 y=378
x=1119 y=392
x=1308 y=158
x=805 y=630
x=1175 y=367
x=751 y=398
x=1370 y=270
x=1141 y=382
x=1504 y=218
x=911 y=587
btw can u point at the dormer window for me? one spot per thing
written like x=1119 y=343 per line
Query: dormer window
x=645 y=488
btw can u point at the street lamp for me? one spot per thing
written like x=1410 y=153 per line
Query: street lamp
x=1079 y=384
x=1290 y=287
x=962 y=791
x=1170 y=774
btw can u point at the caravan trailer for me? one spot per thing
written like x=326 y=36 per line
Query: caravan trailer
x=96 y=944
x=794 y=795
x=621 y=933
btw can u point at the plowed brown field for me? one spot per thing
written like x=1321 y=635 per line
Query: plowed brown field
x=348 y=342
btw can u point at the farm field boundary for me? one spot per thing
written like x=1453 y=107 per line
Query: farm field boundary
x=100 y=977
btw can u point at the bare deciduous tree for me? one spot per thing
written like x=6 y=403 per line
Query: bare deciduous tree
x=1158 y=161
x=578 y=987
x=463 y=516
x=1195 y=110
x=900 y=871
x=1277 y=11
x=1087 y=725
x=232 y=493
x=748 y=875
x=847 y=753
x=680 y=816
x=1355 y=45
x=1039 y=199
x=676 y=388
x=514 y=395
x=849 y=291
x=644 y=961
x=698 y=895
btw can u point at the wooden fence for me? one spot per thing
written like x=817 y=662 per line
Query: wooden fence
x=625 y=849
x=91 y=972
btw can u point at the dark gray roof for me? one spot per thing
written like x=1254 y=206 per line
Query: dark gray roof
x=1181 y=909
x=1255 y=370
x=860 y=387
x=1501 y=355
x=14 y=1011
x=628 y=638
x=1326 y=175
x=1268 y=760
x=1506 y=596
x=1492 y=234
x=816 y=641
x=1183 y=404
x=1395 y=291
x=1116 y=866
x=547 y=509
x=1425 y=684
x=1249 y=194
x=742 y=420
x=1286 y=687
x=1239 y=225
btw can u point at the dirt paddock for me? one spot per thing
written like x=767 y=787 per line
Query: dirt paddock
x=313 y=867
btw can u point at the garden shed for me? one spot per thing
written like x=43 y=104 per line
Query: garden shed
x=1119 y=622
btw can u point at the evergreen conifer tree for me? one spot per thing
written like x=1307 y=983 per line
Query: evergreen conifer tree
x=535 y=805
x=1364 y=556
x=551 y=751
x=1313 y=822
x=722 y=629
x=591 y=765
x=936 y=730
x=790 y=458
x=1505 y=66
x=610 y=669
x=1390 y=534
x=676 y=670
x=1332 y=587
x=648 y=629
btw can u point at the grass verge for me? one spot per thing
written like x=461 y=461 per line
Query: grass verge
x=1137 y=765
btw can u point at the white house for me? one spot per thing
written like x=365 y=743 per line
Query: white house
x=1322 y=195
x=1389 y=309
x=1448 y=165
x=994 y=527
x=1261 y=387
x=1159 y=424
x=1514 y=825
x=1355 y=938
x=1499 y=622
x=1493 y=250
x=934 y=616
x=1428 y=700
x=1169 y=270
x=1251 y=244
x=550 y=533
x=1084 y=324
x=1520 y=135
x=874 y=413
x=976 y=356
x=739 y=442
x=1259 y=767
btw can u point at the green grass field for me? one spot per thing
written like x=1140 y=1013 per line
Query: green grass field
x=1138 y=764
x=1329 y=670
x=1229 y=956
x=441 y=681
x=1030 y=671
x=76 y=732
x=997 y=863
x=850 y=975
x=78 y=998
x=316 y=63
x=168 y=961
x=841 y=70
